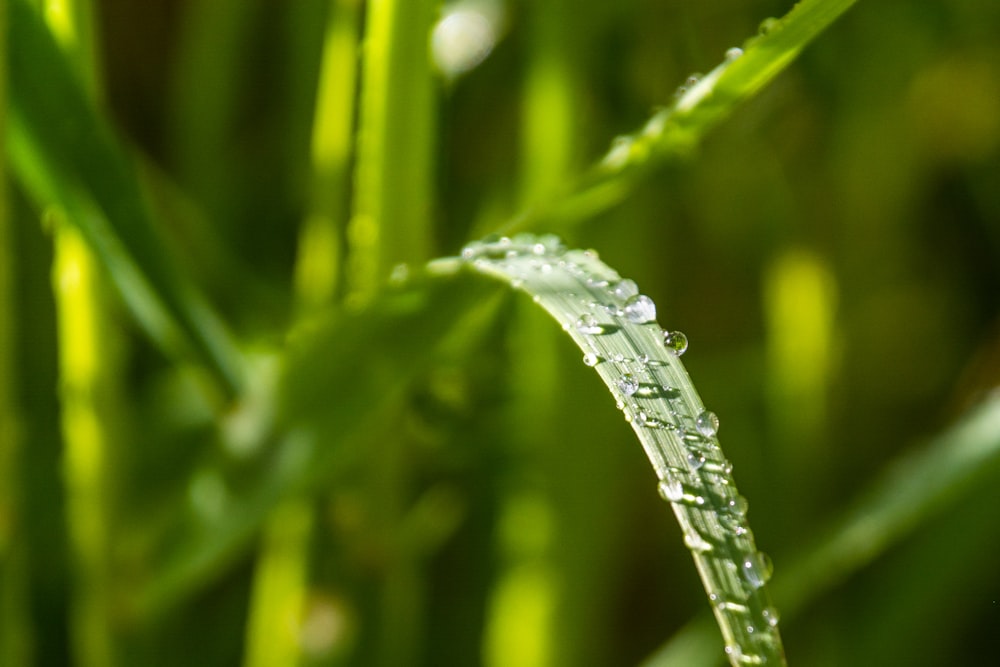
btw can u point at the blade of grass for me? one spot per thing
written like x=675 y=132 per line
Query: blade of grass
x=88 y=371
x=676 y=131
x=15 y=630
x=340 y=377
x=909 y=491
x=390 y=222
x=319 y=262
x=615 y=327
x=62 y=152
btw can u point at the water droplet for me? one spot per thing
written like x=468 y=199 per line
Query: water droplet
x=770 y=615
x=695 y=542
x=738 y=506
x=767 y=26
x=400 y=274
x=588 y=325
x=707 y=424
x=590 y=359
x=733 y=53
x=621 y=149
x=757 y=569
x=692 y=80
x=695 y=461
x=516 y=283
x=624 y=289
x=643 y=359
x=640 y=309
x=538 y=248
x=671 y=489
x=676 y=342
x=619 y=358
x=628 y=385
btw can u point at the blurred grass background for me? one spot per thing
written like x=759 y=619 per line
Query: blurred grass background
x=831 y=251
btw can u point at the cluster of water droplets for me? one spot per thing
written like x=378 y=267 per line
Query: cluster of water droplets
x=615 y=324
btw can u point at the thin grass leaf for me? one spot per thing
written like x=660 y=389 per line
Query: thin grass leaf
x=701 y=103
x=340 y=377
x=903 y=498
x=63 y=153
x=615 y=327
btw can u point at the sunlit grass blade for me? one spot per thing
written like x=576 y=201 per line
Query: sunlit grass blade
x=903 y=498
x=700 y=105
x=615 y=327
x=63 y=153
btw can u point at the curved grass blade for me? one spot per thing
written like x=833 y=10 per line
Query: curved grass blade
x=615 y=326
x=63 y=153
x=701 y=104
x=949 y=469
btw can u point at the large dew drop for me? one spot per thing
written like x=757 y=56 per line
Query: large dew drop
x=676 y=342
x=707 y=424
x=640 y=309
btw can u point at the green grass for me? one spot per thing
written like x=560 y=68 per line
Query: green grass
x=246 y=416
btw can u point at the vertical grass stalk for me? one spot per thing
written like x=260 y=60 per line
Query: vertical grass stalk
x=88 y=373
x=15 y=630
x=391 y=224
x=318 y=268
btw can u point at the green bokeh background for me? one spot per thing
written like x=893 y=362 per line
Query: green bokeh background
x=832 y=251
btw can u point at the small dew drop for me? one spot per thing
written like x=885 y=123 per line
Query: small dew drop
x=757 y=569
x=590 y=359
x=770 y=615
x=588 y=325
x=671 y=489
x=621 y=150
x=738 y=506
x=640 y=309
x=643 y=359
x=695 y=461
x=767 y=26
x=628 y=384
x=733 y=53
x=692 y=80
x=538 y=248
x=624 y=289
x=676 y=342
x=695 y=542
x=707 y=424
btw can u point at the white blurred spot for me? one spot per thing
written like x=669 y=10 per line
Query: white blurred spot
x=465 y=35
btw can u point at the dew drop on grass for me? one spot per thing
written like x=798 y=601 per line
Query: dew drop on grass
x=588 y=325
x=671 y=489
x=692 y=80
x=628 y=384
x=707 y=424
x=770 y=615
x=623 y=289
x=695 y=461
x=757 y=569
x=676 y=342
x=590 y=359
x=767 y=26
x=738 y=506
x=695 y=542
x=640 y=309
x=733 y=53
